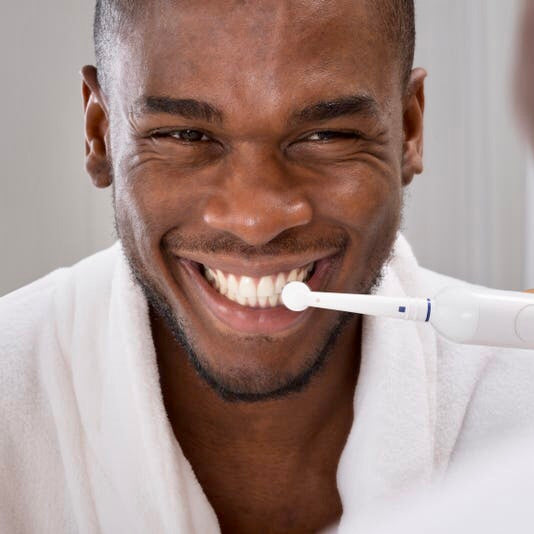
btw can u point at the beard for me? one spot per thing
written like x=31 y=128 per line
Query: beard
x=232 y=384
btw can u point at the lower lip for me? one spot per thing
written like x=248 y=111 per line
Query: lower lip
x=248 y=320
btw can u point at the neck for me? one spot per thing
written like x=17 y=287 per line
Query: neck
x=239 y=449
x=199 y=414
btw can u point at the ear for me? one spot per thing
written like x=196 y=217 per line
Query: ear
x=414 y=106
x=97 y=162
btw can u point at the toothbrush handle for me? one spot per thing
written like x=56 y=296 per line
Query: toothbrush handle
x=412 y=309
x=485 y=317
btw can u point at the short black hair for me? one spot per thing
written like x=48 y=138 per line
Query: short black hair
x=398 y=21
x=112 y=17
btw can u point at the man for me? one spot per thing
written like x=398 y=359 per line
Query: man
x=159 y=386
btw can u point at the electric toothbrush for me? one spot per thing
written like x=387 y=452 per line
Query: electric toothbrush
x=464 y=315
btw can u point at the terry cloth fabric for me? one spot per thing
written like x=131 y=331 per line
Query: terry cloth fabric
x=86 y=445
x=491 y=494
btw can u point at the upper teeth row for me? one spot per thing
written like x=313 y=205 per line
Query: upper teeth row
x=257 y=292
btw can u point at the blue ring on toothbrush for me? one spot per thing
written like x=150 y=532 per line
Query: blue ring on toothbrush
x=428 y=310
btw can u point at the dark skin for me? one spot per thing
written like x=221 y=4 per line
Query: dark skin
x=261 y=173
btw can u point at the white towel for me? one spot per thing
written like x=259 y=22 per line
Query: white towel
x=490 y=494
x=86 y=445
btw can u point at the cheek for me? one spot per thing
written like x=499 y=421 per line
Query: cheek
x=152 y=199
x=368 y=204
x=364 y=200
x=156 y=196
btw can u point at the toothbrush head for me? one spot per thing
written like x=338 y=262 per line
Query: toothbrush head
x=295 y=296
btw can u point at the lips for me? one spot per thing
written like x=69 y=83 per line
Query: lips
x=259 y=317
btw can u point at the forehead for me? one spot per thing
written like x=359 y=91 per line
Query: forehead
x=245 y=53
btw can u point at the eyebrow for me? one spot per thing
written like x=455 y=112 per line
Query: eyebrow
x=188 y=108
x=323 y=110
x=330 y=109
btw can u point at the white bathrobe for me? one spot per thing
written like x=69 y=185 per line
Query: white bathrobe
x=86 y=446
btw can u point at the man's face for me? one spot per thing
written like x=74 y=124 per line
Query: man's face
x=256 y=141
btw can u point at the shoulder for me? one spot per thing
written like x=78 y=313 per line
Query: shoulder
x=34 y=379
x=489 y=389
x=502 y=403
x=506 y=375
x=33 y=363
x=23 y=309
x=32 y=316
x=24 y=312
x=481 y=394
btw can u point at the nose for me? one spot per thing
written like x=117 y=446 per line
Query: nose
x=259 y=199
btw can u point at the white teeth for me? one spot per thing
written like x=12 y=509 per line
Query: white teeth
x=247 y=287
x=279 y=284
x=232 y=287
x=266 y=287
x=209 y=275
x=260 y=292
x=223 y=284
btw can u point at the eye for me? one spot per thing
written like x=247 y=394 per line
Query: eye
x=331 y=135
x=187 y=136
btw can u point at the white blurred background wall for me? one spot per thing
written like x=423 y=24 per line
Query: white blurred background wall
x=466 y=215
x=467 y=211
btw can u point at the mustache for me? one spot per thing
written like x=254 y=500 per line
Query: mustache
x=286 y=243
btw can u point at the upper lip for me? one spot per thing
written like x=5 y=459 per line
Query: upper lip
x=258 y=267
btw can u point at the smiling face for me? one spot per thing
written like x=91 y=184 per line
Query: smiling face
x=251 y=144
